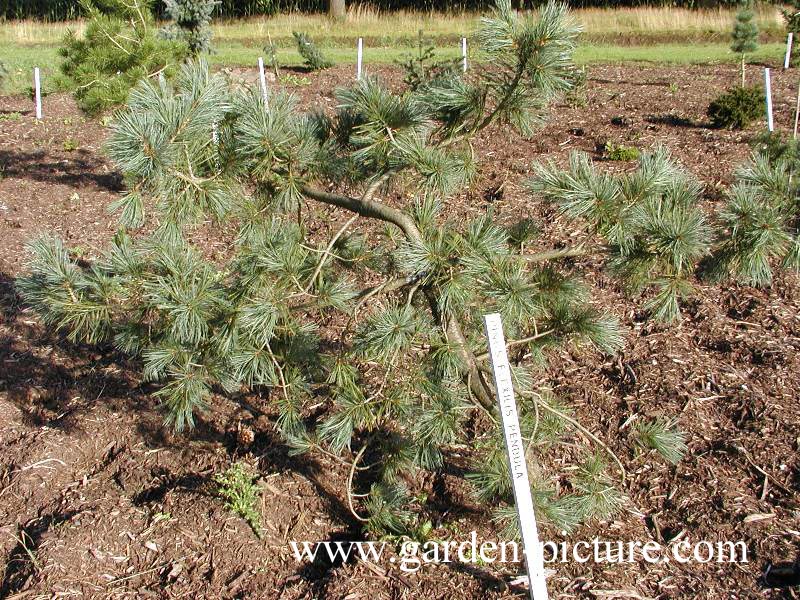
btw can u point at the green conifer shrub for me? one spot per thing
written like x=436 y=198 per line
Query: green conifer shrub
x=744 y=35
x=391 y=389
x=421 y=67
x=312 y=55
x=119 y=48
x=737 y=108
x=191 y=19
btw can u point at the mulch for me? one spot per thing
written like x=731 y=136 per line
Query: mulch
x=98 y=500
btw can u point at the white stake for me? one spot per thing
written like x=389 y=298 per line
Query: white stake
x=360 y=58
x=515 y=445
x=768 y=90
x=796 y=113
x=464 y=52
x=215 y=141
x=37 y=84
x=263 y=78
x=788 y=50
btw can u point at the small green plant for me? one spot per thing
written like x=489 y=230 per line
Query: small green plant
x=737 y=108
x=242 y=495
x=620 y=152
x=11 y=116
x=576 y=97
x=161 y=516
x=295 y=80
x=663 y=436
x=312 y=56
x=272 y=56
x=744 y=35
x=70 y=145
x=422 y=66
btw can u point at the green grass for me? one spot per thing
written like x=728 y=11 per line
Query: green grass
x=675 y=54
x=22 y=59
x=611 y=36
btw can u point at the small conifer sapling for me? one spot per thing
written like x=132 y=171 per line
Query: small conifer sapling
x=744 y=35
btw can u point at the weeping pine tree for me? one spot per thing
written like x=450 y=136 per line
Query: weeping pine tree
x=369 y=347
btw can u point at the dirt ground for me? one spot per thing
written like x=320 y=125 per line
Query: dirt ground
x=98 y=500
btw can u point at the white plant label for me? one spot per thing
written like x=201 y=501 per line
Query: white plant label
x=796 y=113
x=360 y=59
x=789 y=41
x=37 y=84
x=768 y=90
x=464 y=52
x=263 y=79
x=516 y=455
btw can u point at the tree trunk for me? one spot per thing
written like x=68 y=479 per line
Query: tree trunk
x=337 y=9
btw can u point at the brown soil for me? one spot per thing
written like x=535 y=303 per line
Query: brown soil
x=97 y=500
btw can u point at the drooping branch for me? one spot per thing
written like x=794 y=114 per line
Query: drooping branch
x=558 y=253
x=366 y=208
x=477 y=383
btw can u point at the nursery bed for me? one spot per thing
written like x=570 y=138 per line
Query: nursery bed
x=98 y=500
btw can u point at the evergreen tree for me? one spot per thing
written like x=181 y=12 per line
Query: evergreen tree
x=119 y=48
x=744 y=35
x=312 y=56
x=393 y=388
x=191 y=23
x=421 y=67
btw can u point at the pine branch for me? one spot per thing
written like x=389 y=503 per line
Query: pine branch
x=366 y=208
x=559 y=253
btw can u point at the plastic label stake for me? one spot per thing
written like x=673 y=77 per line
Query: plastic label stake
x=360 y=58
x=515 y=445
x=464 y=52
x=789 y=40
x=263 y=78
x=768 y=90
x=37 y=84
